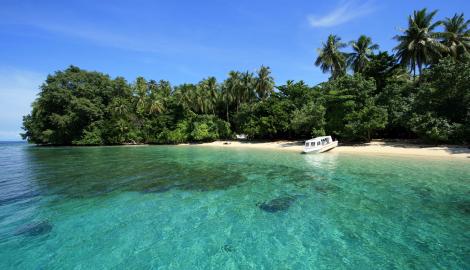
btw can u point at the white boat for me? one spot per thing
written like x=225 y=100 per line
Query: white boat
x=319 y=144
x=241 y=136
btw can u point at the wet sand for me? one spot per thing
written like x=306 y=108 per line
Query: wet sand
x=377 y=147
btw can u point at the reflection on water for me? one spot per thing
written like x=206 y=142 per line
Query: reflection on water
x=325 y=162
x=196 y=207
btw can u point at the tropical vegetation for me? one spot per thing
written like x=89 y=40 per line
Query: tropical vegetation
x=419 y=90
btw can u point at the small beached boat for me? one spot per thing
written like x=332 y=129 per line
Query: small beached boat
x=319 y=145
x=241 y=136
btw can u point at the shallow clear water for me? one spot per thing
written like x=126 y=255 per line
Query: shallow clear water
x=193 y=207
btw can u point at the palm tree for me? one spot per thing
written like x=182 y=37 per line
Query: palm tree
x=233 y=85
x=183 y=95
x=164 y=88
x=227 y=98
x=155 y=98
x=245 y=91
x=330 y=58
x=119 y=106
x=418 y=45
x=264 y=83
x=198 y=100
x=363 y=49
x=210 y=92
x=156 y=104
x=140 y=90
x=456 y=35
x=230 y=90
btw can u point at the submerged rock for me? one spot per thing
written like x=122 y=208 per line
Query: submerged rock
x=228 y=248
x=159 y=188
x=211 y=180
x=278 y=204
x=463 y=207
x=325 y=188
x=35 y=229
x=423 y=192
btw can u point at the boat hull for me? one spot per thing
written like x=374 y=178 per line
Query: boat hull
x=324 y=148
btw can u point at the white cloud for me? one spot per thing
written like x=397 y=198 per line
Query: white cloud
x=346 y=11
x=18 y=89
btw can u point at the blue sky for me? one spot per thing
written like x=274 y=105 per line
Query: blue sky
x=181 y=41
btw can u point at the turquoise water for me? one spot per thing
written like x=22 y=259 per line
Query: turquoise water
x=194 y=207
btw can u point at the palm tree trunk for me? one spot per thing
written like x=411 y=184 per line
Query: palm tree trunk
x=228 y=120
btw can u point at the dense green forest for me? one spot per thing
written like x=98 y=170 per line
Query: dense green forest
x=419 y=90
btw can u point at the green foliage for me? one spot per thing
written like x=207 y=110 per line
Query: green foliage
x=350 y=101
x=208 y=128
x=397 y=97
x=363 y=50
x=69 y=103
x=309 y=120
x=418 y=45
x=175 y=136
x=202 y=132
x=442 y=106
x=431 y=128
x=456 y=36
x=330 y=58
x=90 y=137
x=266 y=119
x=363 y=122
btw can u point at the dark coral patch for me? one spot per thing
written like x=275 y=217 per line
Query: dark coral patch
x=35 y=229
x=210 y=180
x=325 y=188
x=157 y=187
x=228 y=248
x=463 y=207
x=278 y=204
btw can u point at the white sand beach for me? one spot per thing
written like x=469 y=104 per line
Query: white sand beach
x=376 y=147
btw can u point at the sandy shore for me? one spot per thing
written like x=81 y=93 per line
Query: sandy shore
x=374 y=147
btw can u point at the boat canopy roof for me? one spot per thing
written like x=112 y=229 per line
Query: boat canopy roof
x=319 y=139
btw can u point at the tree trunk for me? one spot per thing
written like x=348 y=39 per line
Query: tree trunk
x=228 y=121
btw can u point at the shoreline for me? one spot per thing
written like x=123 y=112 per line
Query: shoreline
x=375 y=147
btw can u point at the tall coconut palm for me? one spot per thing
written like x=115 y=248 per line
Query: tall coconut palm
x=418 y=46
x=227 y=99
x=141 y=90
x=456 y=35
x=210 y=92
x=199 y=100
x=230 y=90
x=164 y=88
x=363 y=49
x=246 y=89
x=155 y=98
x=264 y=83
x=119 y=106
x=234 y=86
x=330 y=58
x=183 y=95
x=156 y=104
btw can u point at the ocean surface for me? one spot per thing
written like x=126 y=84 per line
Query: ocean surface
x=195 y=207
